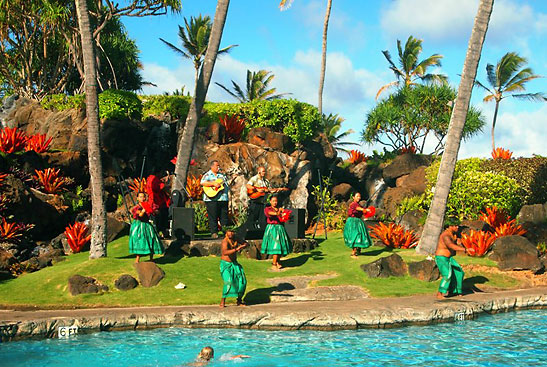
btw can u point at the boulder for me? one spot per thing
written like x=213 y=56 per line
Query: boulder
x=425 y=270
x=412 y=220
x=303 y=244
x=359 y=170
x=215 y=133
x=342 y=192
x=536 y=213
x=115 y=228
x=7 y=260
x=415 y=181
x=265 y=137
x=536 y=232
x=402 y=165
x=516 y=253
x=149 y=273
x=122 y=139
x=475 y=225
x=385 y=267
x=393 y=196
x=329 y=151
x=78 y=284
x=72 y=164
x=126 y=282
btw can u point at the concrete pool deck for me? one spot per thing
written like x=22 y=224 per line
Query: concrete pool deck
x=328 y=315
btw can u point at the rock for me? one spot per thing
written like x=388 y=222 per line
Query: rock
x=328 y=150
x=6 y=262
x=403 y=165
x=122 y=139
x=60 y=242
x=303 y=244
x=412 y=220
x=516 y=253
x=216 y=132
x=205 y=247
x=342 y=192
x=149 y=273
x=78 y=284
x=359 y=170
x=115 y=228
x=415 y=181
x=475 y=225
x=126 y=282
x=536 y=232
x=265 y=137
x=536 y=213
x=385 y=267
x=72 y=164
x=425 y=270
x=393 y=196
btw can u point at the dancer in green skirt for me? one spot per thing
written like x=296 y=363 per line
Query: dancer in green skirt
x=276 y=242
x=356 y=234
x=451 y=272
x=143 y=238
x=230 y=270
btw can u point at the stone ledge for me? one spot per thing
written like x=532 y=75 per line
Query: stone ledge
x=353 y=314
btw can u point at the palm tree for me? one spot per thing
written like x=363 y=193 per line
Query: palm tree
x=435 y=217
x=98 y=213
x=285 y=4
x=331 y=125
x=411 y=69
x=195 y=37
x=186 y=141
x=506 y=79
x=256 y=89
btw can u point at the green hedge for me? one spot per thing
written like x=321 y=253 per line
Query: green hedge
x=156 y=105
x=61 y=102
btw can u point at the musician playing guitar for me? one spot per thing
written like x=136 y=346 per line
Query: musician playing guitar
x=215 y=196
x=257 y=188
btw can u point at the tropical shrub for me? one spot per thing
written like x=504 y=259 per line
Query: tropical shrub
x=119 y=105
x=61 y=102
x=39 y=143
x=542 y=248
x=393 y=235
x=50 y=180
x=76 y=236
x=234 y=127
x=12 y=232
x=238 y=216
x=155 y=105
x=138 y=185
x=12 y=140
x=409 y=204
x=408 y=150
x=478 y=243
x=193 y=186
x=500 y=153
x=356 y=157
x=201 y=219
x=330 y=205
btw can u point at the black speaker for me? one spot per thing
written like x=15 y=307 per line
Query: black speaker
x=295 y=226
x=182 y=223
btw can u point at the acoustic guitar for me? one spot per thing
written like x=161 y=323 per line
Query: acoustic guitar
x=257 y=191
x=211 y=191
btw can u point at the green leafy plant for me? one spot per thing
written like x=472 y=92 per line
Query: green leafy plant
x=156 y=105
x=238 y=215
x=119 y=105
x=330 y=205
x=201 y=219
x=79 y=201
x=409 y=204
x=61 y=102
x=542 y=248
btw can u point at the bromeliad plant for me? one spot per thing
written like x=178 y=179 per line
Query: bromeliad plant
x=138 y=185
x=51 y=180
x=500 y=153
x=509 y=229
x=39 y=143
x=11 y=140
x=356 y=157
x=234 y=126
x=494 y=217
x=408 y=150
x=395 y=236
x=193 y=186
x=478 y=243
x=12 y=232
x=76 y=236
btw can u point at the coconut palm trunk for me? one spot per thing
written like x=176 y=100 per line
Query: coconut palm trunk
x=324 y=58
x=434 y=223
x=494 y=124
x=98 y=212
x=186 y=142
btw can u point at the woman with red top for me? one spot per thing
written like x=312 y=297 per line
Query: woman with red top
x=276 y=242
x=356 y=234
x=143 y=239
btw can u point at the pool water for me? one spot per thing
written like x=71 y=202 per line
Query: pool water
x=511 y=339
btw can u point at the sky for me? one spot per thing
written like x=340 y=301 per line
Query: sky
x=288 y=43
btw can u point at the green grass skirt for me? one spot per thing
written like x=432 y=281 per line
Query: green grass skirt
x=356 y=233
x=143 y=239
x=234 y=279
x=452 y=275
x=276 y=241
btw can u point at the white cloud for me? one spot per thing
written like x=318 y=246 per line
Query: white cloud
x=443 y=20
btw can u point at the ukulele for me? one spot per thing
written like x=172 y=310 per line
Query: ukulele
x=258 y=191
x=211 y=191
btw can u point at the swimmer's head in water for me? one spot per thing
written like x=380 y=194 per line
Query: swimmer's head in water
x=206 y=354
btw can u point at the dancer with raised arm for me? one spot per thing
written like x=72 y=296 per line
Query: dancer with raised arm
x=276 y=242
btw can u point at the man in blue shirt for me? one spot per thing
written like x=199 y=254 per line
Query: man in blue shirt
x=217 y=205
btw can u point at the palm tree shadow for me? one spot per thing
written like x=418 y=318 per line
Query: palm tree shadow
x=377 y=252
x=469 y=284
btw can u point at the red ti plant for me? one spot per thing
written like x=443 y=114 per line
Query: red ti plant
x=138 y=185
x=356 y=157
x=76 y=236
x=394 y=235
x=51 y=180
x=12 y=232
x=494 y=217
x=478 y=243
x=193 y=186
x=408 y=150
x=38 y=143
x=500 y=153
x=11 y=140
x=234 y=127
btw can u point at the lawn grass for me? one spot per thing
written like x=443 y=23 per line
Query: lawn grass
x=48 y=287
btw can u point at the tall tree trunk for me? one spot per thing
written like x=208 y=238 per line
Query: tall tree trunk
x=434 y=223
x=98 y=212
x=494 y=124
x=186 y=142
x=324 y=58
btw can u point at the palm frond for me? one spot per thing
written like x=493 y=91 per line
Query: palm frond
x=285 y=4
x=491 y=76
x=536 y=97
x=176 y=49
x=228 y=91
x=388 y=85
